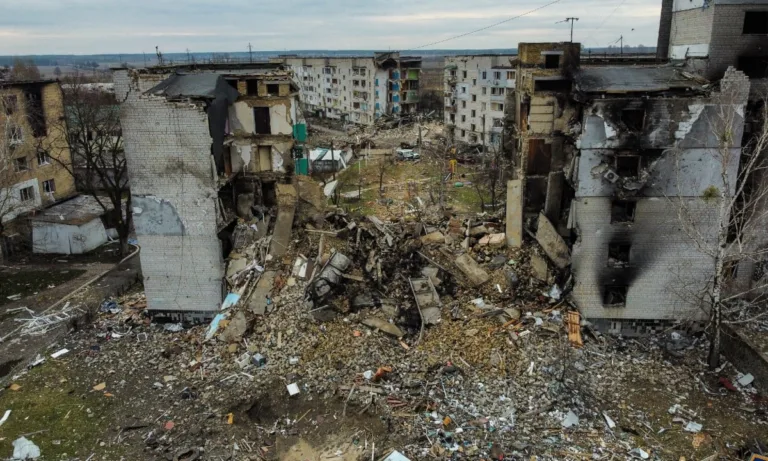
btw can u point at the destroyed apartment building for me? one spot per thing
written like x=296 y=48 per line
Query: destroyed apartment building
x=603 y=157
x=357 y=89
x=205 y=145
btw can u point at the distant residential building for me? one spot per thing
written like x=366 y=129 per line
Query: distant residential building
x=357 y=89
x=34 y=155
x=475 y=96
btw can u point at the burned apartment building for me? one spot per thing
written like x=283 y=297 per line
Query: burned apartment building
x=475 y=95
x=602 y=158
x=204 y=145
x=357 y=89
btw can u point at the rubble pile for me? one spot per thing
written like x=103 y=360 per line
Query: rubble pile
x=427 y=336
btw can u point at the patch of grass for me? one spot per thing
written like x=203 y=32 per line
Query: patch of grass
x=464 y=198
x=711 y=193
x=59 y=417
x=30 y=282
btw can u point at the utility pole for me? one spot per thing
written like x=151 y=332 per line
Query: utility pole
x=250 y=52
x=333 y=163
x=621 y=39
x=571 y=20
x=189 y=60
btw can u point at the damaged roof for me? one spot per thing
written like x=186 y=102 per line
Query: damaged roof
x=635 y=79
x=206 y=85
x=76 y=211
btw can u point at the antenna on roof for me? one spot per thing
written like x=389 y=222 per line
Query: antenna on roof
x=250 y=52
x=159 y=55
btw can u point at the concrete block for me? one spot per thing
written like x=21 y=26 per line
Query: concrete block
x=554 y=245
x=434 y=237
x=476 y=275
x=514 y=234
x=539 y=267
x=493 y=240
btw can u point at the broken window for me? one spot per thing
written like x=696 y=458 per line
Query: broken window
x=615 y=296
x=485 y=75
x=36 y=114
x=43 y=158
x=618 y=254
x=474 y=98
x=634 y=119
x=463 y=118
x=273 y=89
x=26 y=194
x=552 y=85
x=233 y=83
x=252 y=87
x=511 y=75
x=464 y=74
x=730 y=270
x=49 y=186
x=472 y=127
x=551 y=61
x=623 y=211
x=474 y=113
x=755 y=22
x=463 y=104
x=21 y=164
x=753 y=66
x=485 y=90
x=10 y=104
x=495 y=106
x=539 y=157
x=463 y=133
x=483 y=106
x=628 y=166
x=261 y=120
x=474 y=81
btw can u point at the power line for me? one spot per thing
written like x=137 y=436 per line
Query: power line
x=600 y=26
x=486 y=27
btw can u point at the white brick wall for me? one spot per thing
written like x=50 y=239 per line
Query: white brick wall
x=168 y=150
x=665 y=264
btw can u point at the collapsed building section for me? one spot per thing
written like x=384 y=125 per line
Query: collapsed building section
x=204 y=146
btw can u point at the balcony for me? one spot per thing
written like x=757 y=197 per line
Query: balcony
x=410 y=97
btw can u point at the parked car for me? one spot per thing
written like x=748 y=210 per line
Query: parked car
x=407 y=154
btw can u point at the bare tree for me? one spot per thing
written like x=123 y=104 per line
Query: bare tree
x=24 y=70
x=10 y=138
x=740 y=207
x=489 y=180
x=94 y=136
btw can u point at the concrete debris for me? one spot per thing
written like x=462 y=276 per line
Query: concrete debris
x=434 y=237
x=236 y=328
x=473 y=271
x=570 y=420
x=552 y=244
x=639 y=453
x=539 y=268
x=493 y=240
x=24 y=448
x=383 y=326
x=693 y=427
x=746 y=380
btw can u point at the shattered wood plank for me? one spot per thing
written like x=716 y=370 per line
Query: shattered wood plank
x=322 y=232
x=574 y=328
x=356 y=278
x=552 y=243
x=475 y=274
x=372 y=389
x=380 y=226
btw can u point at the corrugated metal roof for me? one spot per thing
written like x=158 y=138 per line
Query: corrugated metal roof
x=634 y=79
x=76 y=211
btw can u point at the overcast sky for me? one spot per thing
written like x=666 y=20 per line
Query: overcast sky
x=135 y=26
